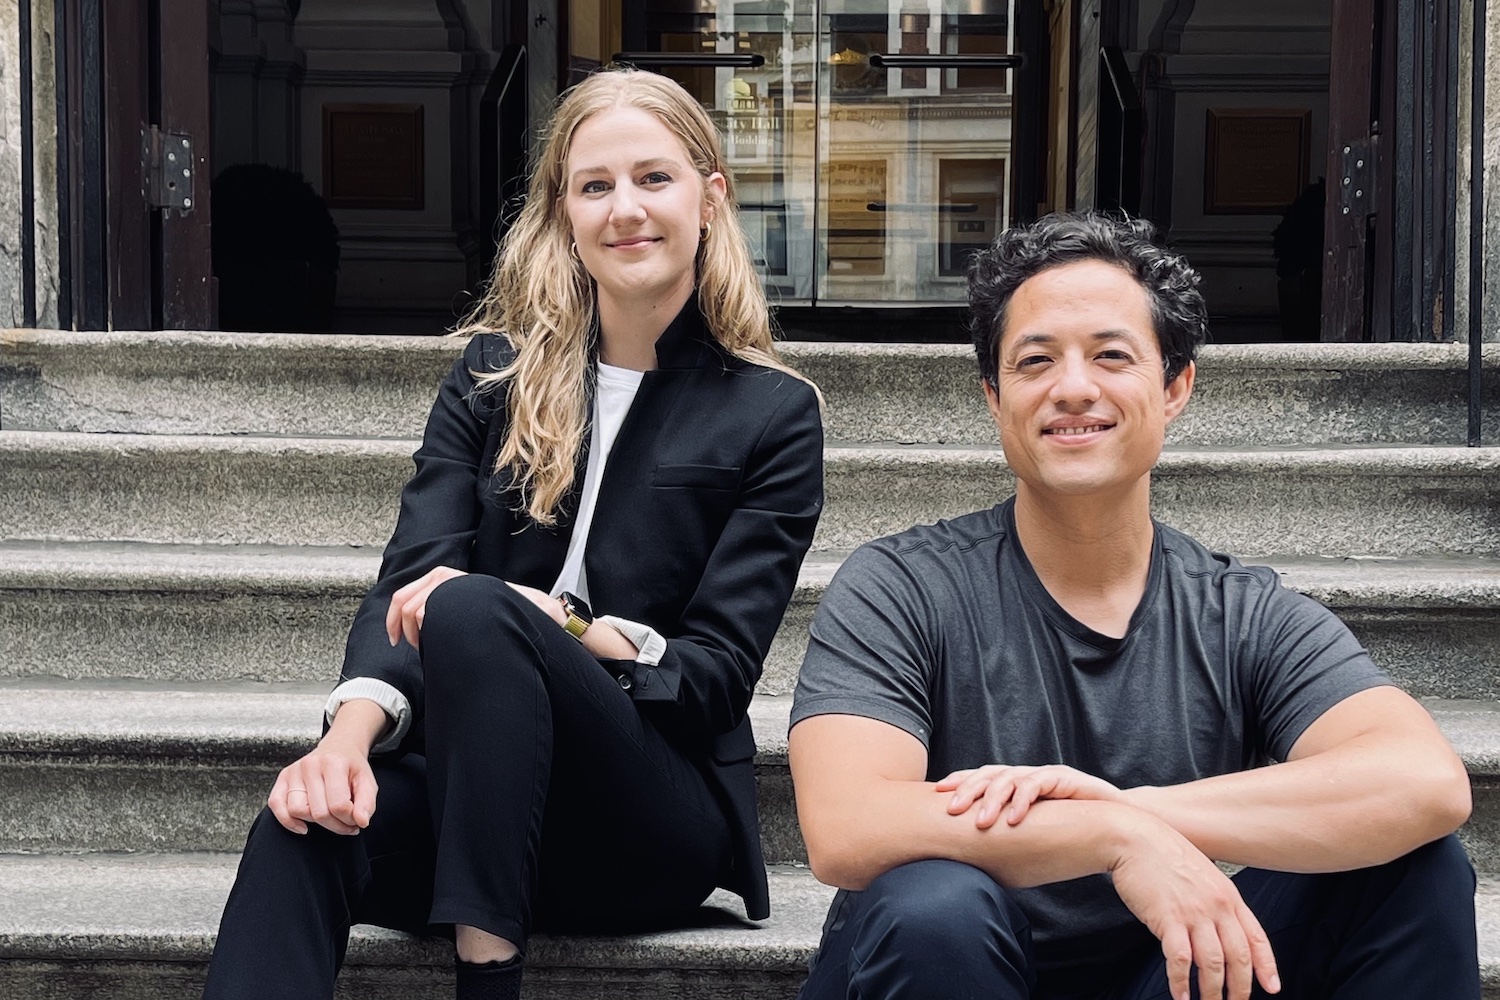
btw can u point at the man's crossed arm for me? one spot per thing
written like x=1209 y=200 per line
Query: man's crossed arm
x=1369 y=781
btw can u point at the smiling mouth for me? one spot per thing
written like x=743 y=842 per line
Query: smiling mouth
x=1072 y=431
x=638 y=241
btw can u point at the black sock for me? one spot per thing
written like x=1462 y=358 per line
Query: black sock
x=490 y=981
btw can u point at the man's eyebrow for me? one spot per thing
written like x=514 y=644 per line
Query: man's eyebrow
x=658 y=161
x=1098 y=337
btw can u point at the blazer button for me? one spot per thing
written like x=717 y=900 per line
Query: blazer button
x=625 y=682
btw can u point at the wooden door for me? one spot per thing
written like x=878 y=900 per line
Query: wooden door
x=1352 y=171
x=158 y=267
x=1391 y=216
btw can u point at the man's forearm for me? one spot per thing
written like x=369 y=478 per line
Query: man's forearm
x=883 y=824
x=1352 y=806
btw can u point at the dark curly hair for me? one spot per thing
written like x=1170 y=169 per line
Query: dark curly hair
x=1177 y=309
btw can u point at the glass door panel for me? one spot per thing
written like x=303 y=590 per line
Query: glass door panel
x=753 y=65
x=870 y=140
x=915 y=129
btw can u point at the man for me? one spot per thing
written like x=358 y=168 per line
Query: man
x=1022 y=737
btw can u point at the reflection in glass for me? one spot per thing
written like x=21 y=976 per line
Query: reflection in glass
x=858 y=184
x=972 y=205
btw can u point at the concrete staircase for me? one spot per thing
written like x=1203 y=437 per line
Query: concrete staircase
x=187 y=522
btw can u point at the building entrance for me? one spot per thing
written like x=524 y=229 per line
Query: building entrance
x=1300 y=152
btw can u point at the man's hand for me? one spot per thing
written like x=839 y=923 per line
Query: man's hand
x=332 y=786
x=1197 y=913
x=409 y=605
x=998 y=788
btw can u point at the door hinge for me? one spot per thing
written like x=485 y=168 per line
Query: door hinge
x=168 y=168
x=1356 y=181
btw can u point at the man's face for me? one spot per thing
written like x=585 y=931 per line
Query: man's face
x=1082 y=408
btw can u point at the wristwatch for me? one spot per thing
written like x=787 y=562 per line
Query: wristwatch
x=580 y=615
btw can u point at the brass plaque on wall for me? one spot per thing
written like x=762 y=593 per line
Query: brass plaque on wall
x=372 y=155
x=1256 y=161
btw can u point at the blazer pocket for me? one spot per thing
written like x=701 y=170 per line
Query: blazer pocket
x=697 y=477
x=734 y=746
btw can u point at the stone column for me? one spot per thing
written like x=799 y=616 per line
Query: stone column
x=44 y=158
x=43 y=162
x=11 y=275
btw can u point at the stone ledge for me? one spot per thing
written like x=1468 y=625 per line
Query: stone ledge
x=105 y=919
x=168 y=382
x=174 y=613
x=1398 y=501
x=268 y=722
x=165 y=908
x=30 y=345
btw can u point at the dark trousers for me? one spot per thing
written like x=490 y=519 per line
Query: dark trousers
x=544 y=800
x=940 y=929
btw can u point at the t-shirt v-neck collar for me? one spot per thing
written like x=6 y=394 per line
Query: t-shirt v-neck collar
x=1013 y=561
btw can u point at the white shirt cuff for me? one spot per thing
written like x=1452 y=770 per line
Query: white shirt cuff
x=650 y=646
x=387 y=697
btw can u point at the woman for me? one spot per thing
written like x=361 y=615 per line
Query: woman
x=605 y=524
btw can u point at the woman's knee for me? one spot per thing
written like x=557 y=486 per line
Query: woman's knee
x=470 y=620
x=462 y=604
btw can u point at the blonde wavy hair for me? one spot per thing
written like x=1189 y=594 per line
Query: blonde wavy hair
x=542 y=299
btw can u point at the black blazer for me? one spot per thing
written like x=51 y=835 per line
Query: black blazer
x=707 y=506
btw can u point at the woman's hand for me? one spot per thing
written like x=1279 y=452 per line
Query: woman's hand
x=409 y=605
x=550 y=605
x=994 y=786
x=333 y=785
x=601 y=639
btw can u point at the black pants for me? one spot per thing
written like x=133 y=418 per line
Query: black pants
x=544 y=800
x=940 y=929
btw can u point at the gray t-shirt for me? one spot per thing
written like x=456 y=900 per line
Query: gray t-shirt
x=946 y=632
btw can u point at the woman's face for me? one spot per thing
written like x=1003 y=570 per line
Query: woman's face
x=636 y=206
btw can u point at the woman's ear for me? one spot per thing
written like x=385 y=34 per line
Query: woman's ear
x=715 y=190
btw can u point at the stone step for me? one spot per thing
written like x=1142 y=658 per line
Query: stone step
x=133 y=766
x=141 y=927
x=312 y=385
x=171 y=613
x=1392 y=501
x=124 y=767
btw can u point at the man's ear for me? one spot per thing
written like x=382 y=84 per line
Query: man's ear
x=991 y=399
x=1179 y=390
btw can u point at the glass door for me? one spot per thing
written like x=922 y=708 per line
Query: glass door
x=915 y=128
x=752 y=63
x=870 y=139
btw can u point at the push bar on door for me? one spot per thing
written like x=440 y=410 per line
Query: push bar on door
x=747 y=60
x=922 y=60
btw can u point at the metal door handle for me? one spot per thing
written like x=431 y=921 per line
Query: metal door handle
x=747 y=60
x=950 y=208
x=922 y=60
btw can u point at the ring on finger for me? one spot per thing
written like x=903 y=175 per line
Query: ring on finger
x=291 y=790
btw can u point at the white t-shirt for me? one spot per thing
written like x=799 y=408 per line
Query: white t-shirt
x=615 y=392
